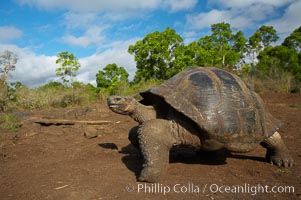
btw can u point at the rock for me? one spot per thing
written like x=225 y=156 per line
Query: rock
x=90 y=132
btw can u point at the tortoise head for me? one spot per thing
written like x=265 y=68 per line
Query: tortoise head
x=122 y=105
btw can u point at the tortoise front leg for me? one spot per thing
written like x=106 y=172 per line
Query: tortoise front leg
x=155 y=140
x=277 y=152
x=133 y=137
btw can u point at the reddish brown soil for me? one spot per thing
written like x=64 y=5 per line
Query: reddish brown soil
x=59 y=162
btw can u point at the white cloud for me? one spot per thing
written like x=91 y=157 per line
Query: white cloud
x=248 y=3
x=83 y=29
x=248 y=14
x=190 y=36
x=116 y=54
x=8 y=33
x=31 y=69
x=34 y=70
x=176 y=5
x=290 y=20
x=258 y=12
x=204 y=20
x=237 y=19
x=91 y=36
x=75 y=20
x=111 y=5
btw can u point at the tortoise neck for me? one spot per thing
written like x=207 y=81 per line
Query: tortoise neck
x=143 y=113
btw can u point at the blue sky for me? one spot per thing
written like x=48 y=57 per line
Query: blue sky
x=99 y=32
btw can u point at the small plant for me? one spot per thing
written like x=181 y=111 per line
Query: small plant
x=143 y=85
x=282 y=170
x=7 y=64
x=9 y=122
x=112 y=79
x=69 y=66
x=274 y=82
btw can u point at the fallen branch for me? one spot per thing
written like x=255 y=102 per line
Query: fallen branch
x=58 y=188
x=58 y=122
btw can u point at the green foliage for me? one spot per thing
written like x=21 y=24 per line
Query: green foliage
x=155 y=54
x=205 y=52
x=267 y=35
x=261 y=39
x=277 y=80
x=158 y=56
x=128 y=89
x=53 y=94
x=131 y=89
x=293 y=41
x=111 y=78
x=69 y=66
x=279 y=67
x=185 y=56
x=3 y=96
x=9 y=122
x=52 y=85
x=7 y=63
x=279 y=57
x=15 y=85
x=224 y=48
x=93 y=91
x=136 y=88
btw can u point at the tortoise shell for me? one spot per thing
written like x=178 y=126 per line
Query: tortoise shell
x=217 y=101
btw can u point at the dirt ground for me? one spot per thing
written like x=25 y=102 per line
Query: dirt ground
x=96 y=161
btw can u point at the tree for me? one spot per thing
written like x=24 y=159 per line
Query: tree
x=238 y=48
x=261 y=39
x=279 y=57
x=293 y=41
x=69 y=67
x=207 y=52
x=221 y=36
x=155 y=53
x=286 y=57
x=184 y=56
x=52 y=85
x=7 y=63
x=111 y=77
x=268 y=35
x=225 y=48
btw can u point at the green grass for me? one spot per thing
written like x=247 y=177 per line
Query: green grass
x=9 y=122
x=282 y=170
x=127 y=89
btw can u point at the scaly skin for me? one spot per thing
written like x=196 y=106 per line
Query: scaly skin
x=130 y=106
x=154 y=137
x=277 y=152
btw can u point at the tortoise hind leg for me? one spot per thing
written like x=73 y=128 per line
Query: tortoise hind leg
x=277 y=152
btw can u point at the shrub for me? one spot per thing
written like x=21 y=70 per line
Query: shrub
x=3 y=96
x=143 y=85
x=282 y=82
x=52 y=95
x=9 y=122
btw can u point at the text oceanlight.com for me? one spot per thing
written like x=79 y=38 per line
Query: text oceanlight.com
x=245 y=188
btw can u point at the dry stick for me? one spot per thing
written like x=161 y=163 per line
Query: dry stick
x=61 y=187
x=58 y=122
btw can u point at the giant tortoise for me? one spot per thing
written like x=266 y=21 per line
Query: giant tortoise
x=203 y=107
